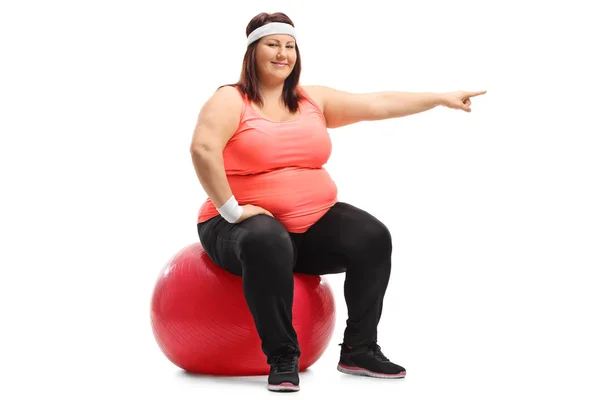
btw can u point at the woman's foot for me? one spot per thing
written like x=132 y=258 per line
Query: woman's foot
x=284 y=374
x=368 y=360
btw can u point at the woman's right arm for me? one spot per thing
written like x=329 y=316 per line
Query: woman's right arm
x=217 y=122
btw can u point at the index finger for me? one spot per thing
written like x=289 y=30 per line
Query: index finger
x=473 y=94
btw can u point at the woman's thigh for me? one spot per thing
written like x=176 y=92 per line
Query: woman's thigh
x=345 y=237
x=230 y=245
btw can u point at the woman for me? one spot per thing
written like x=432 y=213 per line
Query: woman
x=258 y=150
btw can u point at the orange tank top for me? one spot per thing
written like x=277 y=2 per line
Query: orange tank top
x=279 y=166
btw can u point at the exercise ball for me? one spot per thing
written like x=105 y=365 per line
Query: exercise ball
x=202 y=323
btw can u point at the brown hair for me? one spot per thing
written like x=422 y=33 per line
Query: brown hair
x=248 y=82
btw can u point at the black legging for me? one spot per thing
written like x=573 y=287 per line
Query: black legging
x=261 y=251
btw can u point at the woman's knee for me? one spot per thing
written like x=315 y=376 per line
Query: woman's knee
x=370 y=238
x=377 y=238
x=265 y=241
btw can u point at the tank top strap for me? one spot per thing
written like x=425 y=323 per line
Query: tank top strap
x=245 y=102
x=310 y=101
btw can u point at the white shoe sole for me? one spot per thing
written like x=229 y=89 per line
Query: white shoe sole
x=364 y=372
x=284 y=387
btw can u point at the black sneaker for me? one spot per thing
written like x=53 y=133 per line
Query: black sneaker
x=368 y=360
x=284 y=374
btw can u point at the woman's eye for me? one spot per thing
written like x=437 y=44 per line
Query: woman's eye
x=273 y=44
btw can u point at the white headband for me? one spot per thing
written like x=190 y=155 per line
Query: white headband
x=271 y=29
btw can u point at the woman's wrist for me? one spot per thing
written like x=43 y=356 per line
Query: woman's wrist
x=231 y=211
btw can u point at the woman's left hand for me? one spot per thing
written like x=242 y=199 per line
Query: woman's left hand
x=460 y=100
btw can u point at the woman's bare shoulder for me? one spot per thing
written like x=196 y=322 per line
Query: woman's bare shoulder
x=317 y=93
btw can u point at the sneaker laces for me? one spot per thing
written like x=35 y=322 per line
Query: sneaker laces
x=377 y=352
x=285 y=363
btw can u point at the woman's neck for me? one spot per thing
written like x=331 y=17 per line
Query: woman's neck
x=271 y=94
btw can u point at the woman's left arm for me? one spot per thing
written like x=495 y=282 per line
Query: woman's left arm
x=344 y=108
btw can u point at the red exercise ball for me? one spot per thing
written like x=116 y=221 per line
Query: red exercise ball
x=202 y=323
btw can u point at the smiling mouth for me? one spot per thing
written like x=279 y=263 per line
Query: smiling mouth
x=280 y=64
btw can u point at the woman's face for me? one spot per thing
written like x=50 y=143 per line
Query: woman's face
x=275 y=57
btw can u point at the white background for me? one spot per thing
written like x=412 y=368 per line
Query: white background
x=494 y=214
